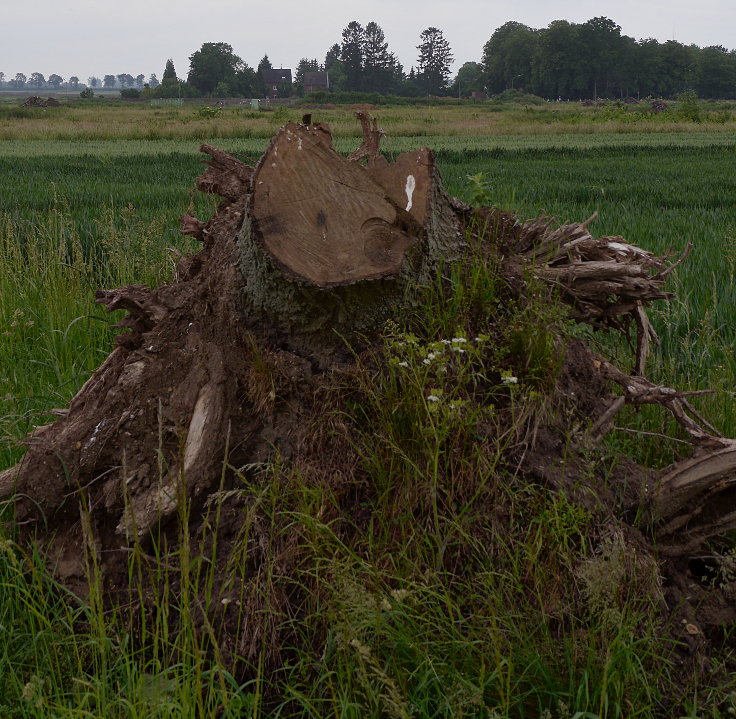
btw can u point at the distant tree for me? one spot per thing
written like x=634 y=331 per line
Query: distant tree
x=435 y=57
x=332 y=56
x=2 y=79
x=87 y=93
x=245 y=83
x=93 y=81
x=175 y=88
x=469 y=79
x=55 y=81
x=303 y=66
x=73 y=82
x=169 y=71
x=122 y=80
x=37 y=80
x=352 y=56
x=214 y=62
x=338 y=76
x=20 y=81
x=680 y=62
x=378 y=62
x=130 y=93
x=509 y=57
x=140 y=81
x=642 y=66
x=599 y=45
x=153 y=81
x=264 y=64
x=409 y=87
x=108 y=82
x=716 y=73
x=557 y=64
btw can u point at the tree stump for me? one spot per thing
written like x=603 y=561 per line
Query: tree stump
x=329 y=248
x=307 y=257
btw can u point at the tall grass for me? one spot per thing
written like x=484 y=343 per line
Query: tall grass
x=466 y=592
x=99 y=122
x=52 y=334
x=66 y=658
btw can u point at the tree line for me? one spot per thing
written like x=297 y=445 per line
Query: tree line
x=36 y=81
x=564 y=60
x=593 y=59
x=361 y=62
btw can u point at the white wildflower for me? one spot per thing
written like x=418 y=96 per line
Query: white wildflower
x=509 y=379
x=433 y=398
x=459 y=340
x=403 y=364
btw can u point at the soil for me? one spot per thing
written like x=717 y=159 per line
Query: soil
x=193 y=379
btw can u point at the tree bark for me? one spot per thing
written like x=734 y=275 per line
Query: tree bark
x=330 y=249
x=307 y=257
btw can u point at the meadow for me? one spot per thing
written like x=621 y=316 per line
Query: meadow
x=89 y=198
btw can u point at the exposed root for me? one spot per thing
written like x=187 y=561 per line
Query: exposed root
x=696 y=499
x=225 y=176
x=8 y=479
x=371 y=145
x=606 y=280
x=202 y=382
x=638 y=391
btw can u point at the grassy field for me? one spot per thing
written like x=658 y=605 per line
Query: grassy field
x=90 y=196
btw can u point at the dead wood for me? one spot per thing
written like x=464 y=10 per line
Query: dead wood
x=371 y=145
x=695 y=499
x=223 y=367
x=321 y=219
x=329 y=249
x=225 y=175
x=638 y=391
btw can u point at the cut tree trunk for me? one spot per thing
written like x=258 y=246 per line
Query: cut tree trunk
x=307 y=257
x=330 y=249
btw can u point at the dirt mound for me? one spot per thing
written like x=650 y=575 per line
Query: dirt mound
x=36 y=101
x=266 y=446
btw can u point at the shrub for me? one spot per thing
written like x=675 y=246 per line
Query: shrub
x=688 y=107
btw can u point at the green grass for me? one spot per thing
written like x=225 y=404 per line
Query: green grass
x=659 y=198
x=251 y=148
x=404 y=635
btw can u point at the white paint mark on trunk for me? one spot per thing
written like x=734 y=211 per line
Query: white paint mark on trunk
x=411 y=183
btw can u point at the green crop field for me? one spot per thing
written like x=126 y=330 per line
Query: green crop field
x=90 y=197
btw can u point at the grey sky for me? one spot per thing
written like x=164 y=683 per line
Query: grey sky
x=99 y=37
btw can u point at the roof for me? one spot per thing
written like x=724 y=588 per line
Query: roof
x=319 y=79
x=276 y=77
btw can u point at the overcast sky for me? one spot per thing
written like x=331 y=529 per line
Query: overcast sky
x=100 y=37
